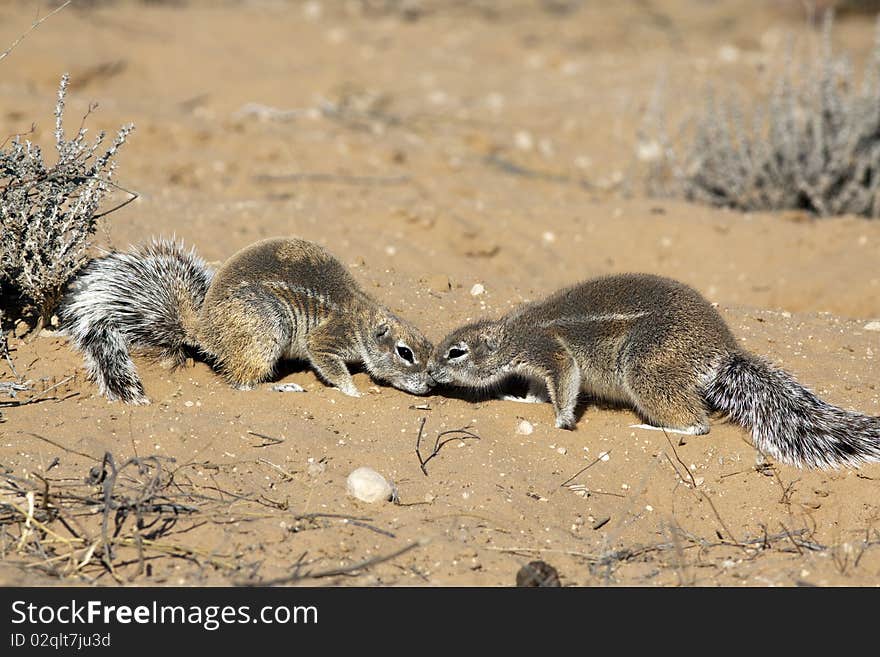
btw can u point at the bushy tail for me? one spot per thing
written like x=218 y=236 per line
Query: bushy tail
x=146 y=299
x=787 y=421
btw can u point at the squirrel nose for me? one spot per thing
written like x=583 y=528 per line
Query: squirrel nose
x=431 y=380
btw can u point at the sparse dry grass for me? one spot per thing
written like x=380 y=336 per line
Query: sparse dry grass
x=813 y=144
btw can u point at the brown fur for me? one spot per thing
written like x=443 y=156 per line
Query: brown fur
x=640 y=339
x=289 y=298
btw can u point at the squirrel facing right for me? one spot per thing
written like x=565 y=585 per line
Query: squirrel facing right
x=276 y=299
x=659 y=346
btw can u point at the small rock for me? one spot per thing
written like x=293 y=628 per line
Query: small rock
x=477 y=289
x=728 y=53
x=288 y=387
x=561 y=450
x=525 y=428
x=369 y=486
x=649 y=151
x=537 y=573
x=524 y=140
x=872 y=326
x=316 y=469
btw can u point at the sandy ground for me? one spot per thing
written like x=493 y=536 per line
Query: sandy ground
x=431 y=153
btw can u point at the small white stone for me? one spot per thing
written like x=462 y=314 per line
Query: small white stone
x=369 y=486
x=438 y=97
x=312 y=10
x=728 y=53
x=525 y=428
x=288 y=387
x=561 y=450
x=548 y=237
x=872 y=326
x=316 y=469
x=188 y=404
x=477 y=289
x=495 y=102
x=604 y=456
x=524 y=140
x=648 y=507
x=649 y=151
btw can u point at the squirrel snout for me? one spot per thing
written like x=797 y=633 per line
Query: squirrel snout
x=431 y=380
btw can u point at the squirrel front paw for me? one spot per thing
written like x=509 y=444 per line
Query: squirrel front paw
x=350 y=391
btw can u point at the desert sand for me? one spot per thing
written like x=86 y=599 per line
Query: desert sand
x=432 y=152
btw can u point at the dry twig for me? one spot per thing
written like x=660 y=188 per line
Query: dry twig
x=461 y=434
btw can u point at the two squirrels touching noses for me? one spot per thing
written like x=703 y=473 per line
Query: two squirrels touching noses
x=651 y=343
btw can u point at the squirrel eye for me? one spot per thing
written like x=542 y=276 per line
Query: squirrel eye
x=405 y=353
x=455 y=352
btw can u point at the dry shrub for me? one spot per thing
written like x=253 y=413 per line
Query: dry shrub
x=813 y=145
x=48 y=214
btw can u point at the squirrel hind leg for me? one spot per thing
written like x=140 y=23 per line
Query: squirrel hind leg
x=243 y=341
x=673 y=404
x=253 y=362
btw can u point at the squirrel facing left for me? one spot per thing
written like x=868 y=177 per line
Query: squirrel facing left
x=658 y=346
x=280 y=298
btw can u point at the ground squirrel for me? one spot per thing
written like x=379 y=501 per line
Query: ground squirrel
x=282 y=298
x=657 y=345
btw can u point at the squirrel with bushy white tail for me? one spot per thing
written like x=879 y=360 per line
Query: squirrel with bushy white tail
x=660 y=347
x=275 y=299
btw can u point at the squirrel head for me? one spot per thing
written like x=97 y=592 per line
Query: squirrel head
x=472 y=355
x=397 y=353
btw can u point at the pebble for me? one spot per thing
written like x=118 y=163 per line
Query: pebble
x=537 y=573
x=649 y=151
x=288 y=387
x=525 y=428
x=872 y=326
x=524 y=140
x=477 y=289
x=728 y=53
x=369 y=486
